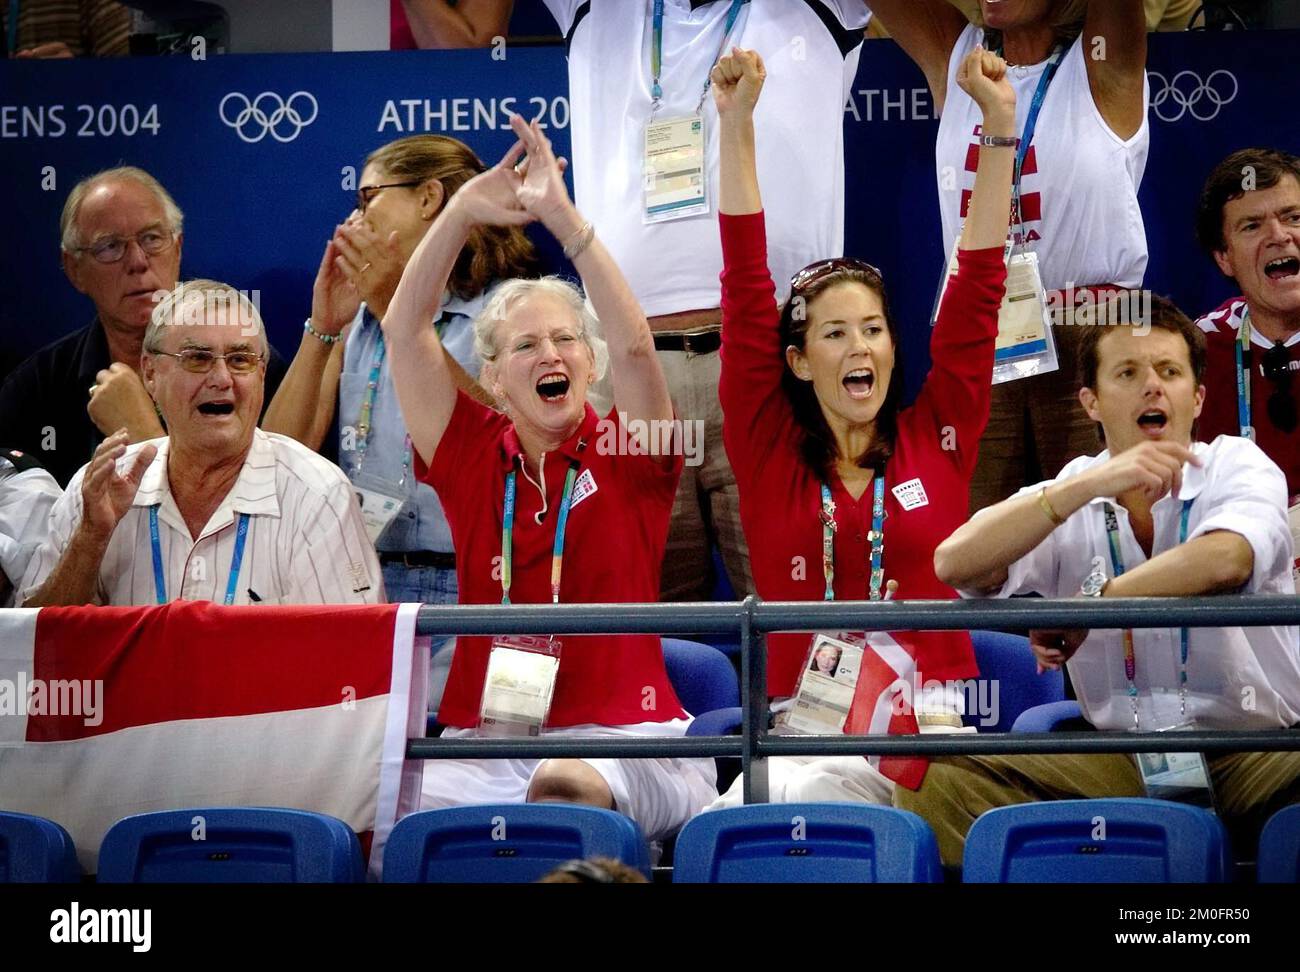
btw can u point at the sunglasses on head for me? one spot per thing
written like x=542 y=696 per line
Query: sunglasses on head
x=1276 y=367
x=822 y=269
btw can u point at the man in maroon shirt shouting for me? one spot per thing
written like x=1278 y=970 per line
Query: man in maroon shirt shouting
x=1249 y=222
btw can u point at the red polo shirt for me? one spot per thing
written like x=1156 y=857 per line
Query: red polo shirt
x=613 y=547
x=934 y=455
x=1219 y=414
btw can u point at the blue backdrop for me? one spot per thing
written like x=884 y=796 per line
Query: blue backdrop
x=260 y=204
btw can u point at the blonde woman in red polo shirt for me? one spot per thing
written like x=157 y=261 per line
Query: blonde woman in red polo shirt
x=839 y=485
x=546 y=503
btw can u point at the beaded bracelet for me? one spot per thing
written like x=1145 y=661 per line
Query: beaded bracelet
x=327 y=338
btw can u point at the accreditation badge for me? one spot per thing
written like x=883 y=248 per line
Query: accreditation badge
x=826 y=686
x=1182 y=777
x=1025 y=346
x=380 y=503
x=673 y=171
x=519 y=685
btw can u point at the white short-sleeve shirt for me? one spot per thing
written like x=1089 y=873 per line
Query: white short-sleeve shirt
x=26 y=498
x=1238 y=678
x=810 y=49
x=306 y=540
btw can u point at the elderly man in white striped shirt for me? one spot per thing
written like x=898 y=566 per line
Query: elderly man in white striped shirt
x=217 y=510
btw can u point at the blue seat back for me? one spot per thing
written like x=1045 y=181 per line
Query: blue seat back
x=34 y=850
x=1279 y=848
x=1045 y=718
x=1007 y=668
x=790 y=843
x=1096 y=841
x=507 y=843
x=238 y=845
x=702 y=676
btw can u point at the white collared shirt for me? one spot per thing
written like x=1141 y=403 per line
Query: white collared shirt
x=306 y=541
x=1237 y=678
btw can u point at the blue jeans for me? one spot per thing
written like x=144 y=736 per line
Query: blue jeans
x=427 y=585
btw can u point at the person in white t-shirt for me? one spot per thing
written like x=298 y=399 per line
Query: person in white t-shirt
x=1157 y=514
x=216 y=510
x=811 y=51
x=1079 y=178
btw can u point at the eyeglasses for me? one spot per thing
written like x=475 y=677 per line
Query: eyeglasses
x=1281 y=404
x=366 y=193
x=814 y=272
x=200 y=361
x=111 y=249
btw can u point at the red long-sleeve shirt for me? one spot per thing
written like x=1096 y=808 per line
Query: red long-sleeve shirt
x=780 y=495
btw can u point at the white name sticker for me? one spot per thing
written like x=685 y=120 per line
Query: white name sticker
x=911 y=494
x=583 y=487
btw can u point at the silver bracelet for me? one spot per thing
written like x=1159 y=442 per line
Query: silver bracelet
x=579 y=241
x=999 y=141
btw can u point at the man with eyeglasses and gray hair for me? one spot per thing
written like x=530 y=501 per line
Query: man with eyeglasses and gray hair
x=121 y=240
x=216 y=510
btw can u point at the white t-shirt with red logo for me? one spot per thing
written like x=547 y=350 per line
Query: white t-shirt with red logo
x=1080 y=180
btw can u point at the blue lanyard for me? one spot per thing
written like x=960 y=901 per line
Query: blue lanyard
x=657 y=50
x=1241 y=349
x=365 y=416
x=876 y=536
x=561 y=524
x=1130 y=656
x=160 y=578
x=1031 y=124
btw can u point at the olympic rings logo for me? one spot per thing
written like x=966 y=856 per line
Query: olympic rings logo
x=1186 y=94
x=269 y=114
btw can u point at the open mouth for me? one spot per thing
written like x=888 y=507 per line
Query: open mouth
x=1282 y=267
x=217 y=408
x=1153 y=423
x=553 y=387
x=860 y=383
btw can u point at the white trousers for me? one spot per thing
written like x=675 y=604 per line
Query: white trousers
x=816 y=779
x=659 y=794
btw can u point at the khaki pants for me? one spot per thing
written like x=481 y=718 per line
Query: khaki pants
x=707 y=508
x=1036 y=425
x=1248 y=788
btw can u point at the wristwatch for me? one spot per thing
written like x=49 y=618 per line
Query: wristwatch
x=1094 y=583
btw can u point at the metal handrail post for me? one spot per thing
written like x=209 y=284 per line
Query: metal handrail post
x=753 y=670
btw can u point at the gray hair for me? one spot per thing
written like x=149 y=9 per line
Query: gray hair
x=509 y=294
x=193 y=300
x=71 y=236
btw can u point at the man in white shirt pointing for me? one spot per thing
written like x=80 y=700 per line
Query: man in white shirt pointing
x=217 y=510
x=1156 y=514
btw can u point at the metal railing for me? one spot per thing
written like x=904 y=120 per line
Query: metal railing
x=752 y=619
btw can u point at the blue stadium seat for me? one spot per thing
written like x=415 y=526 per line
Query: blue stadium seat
x=1279 y=848
x=239 y=845
x=1007 y=660
x=512 y=843
x=1045 y=718
x=719 y=722
x=822 y=843
x=702 y=676
x=34 y=850
x=1143 y=841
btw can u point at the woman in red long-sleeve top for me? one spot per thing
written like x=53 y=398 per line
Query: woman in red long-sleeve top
x=811 y=405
